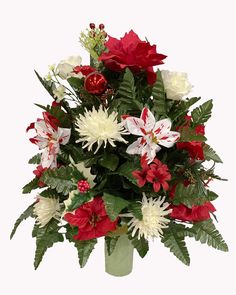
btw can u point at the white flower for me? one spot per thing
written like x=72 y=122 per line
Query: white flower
x=151 y=134
x=51 y=67
x=154 y=212
x=48 y=77
x=49 y=137
x=97 y=126
x=176 y=84
x=59 y=93
x=65 y=67
x=46 y=209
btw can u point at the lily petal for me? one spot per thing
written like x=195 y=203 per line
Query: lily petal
x=150 y=150
x=169 y=139
x=135 y=148
x=148 y=119
x=162 y=127
x=135 y=126
x=63 y=135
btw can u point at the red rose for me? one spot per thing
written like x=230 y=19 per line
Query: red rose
x=130 y=52
x=84 y=70
x=194 y=148
x=91 y=219
x=194 y=214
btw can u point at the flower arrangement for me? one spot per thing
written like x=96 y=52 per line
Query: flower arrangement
x=122 y=155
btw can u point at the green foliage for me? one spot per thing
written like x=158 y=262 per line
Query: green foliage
x=33 y=184
x=61 y=116
x=48 y=85
x=109 y=161
x=114 y=205
x=141 y=245
x=210 y=154
x=190 y=195
x=46 y=237
x=173 y=238
x=84 y=248
x=111 y=244
x=50 y=193
x=26 y=214
x=60 y=179
x=189 y=134
x=75 y=83
x=159 y=96
x=126 y=170
x=205 y=232
x=136 y=209
x=78 y=200
x=182 y=108
x=202 y=113
x=35 y=159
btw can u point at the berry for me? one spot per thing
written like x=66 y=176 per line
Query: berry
x=83 y=186
x=92 y=26
x=101 y=26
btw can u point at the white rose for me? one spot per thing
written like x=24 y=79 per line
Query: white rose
x=65 y=67
x=176 y=84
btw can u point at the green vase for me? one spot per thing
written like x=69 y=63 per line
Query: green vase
x=120 y=262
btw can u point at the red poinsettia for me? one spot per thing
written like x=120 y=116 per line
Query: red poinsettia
x=91 y=219
x=194 y=148
x=133 y=53
x=194 y=214
x=156 y=173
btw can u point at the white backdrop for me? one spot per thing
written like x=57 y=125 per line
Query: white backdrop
x=199 y=38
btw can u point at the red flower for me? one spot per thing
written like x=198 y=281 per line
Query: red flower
x=39 y=172
x=85 y=70
x=194 y=214
x=141 y=176
x=91 y=219
x=133 y=53
x=194 y=148
x=158 y=174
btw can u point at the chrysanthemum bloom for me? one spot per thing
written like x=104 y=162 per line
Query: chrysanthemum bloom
x=151 y=134
x=46 y=209
x=154 y=220
x=98 y=127
x=91 y=219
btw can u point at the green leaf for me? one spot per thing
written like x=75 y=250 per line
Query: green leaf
x=202 y=113
x=35 y=159
x=60 y=179
x=114 y=205
x=33 y=184
x=48 y=85
x=126 y=170
x=111 y=244
x=189 y=134
x=207 y=233
x=136 y=209
x=75 y=83
x=26 y=214
x=159 y=96
x=84 y=249
x=141 y=245
x=109 y=161
x=61 y=116
x=78 y=200
x=210 y=154
x=46 y=237
x=50 y=193
x=174 y=240
x=183 y=108
x=190 y=195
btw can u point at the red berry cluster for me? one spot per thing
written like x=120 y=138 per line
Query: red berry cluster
x=83 y=186
x=101 y=28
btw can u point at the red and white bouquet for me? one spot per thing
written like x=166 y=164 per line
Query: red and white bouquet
x=121 y=156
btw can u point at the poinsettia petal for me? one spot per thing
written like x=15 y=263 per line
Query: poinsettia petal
x=169 y=139
x=63 y=135
x=162 y=127
x=135 y=126
x=135 y=148
x=148 y=119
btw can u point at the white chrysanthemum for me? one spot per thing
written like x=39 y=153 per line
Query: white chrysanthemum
x=97 y=126
x=46 y=209
x=176 y=84
x=154 y=212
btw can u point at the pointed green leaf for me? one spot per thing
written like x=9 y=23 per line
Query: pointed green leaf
x=141 y=245
x=114 y=205
x=207 y=233
x=109 y=161
x=35 y=159
x=159 y=96
x=136 y=209
x=111 y=244
x=84 y=249
x=26 y=214
x=78 y=200
x=50 y=193
x=210 y=154
x=202 y=113
x=48 y=85
x=33 y=184
x=126 y=170
x=183 y=108
x=174 y=240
